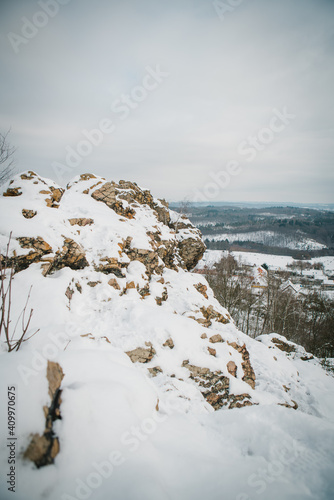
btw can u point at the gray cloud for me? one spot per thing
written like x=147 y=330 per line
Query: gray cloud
x=225 y=79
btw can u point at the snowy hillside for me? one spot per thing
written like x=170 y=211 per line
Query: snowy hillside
x=137 y=383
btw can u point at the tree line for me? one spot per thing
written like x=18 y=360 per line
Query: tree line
x=306 y=319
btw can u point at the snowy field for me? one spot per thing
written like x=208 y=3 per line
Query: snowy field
x=277 y=261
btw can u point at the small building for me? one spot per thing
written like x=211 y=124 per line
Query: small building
x=293 y=288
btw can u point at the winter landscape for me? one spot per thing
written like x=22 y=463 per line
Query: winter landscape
x=166 y=250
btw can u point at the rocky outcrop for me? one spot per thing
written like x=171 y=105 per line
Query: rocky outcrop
x=72 y=255
x=283 y=346
x=38 y=247
x=191 y=251
x=249 y=375
x=43 y=449
x=215 y=387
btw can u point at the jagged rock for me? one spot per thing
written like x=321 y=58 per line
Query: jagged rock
x=215 y=388
x=130 y=285
x=39 y=249
x=155 y=370
x=113 y=282
x=110 y=265
x=55 y=195
x=28 y=214
x=294 y=406
x=212 y=351
x=69 y=293
x=43 y=449
x=145 y=291
x=81 y=221
x=37 y=244
x=216 y=338
x=28 y=176
x=249 y=375
x=12 y=192
x=169 y=343
x=141 y=355
x=201 y=289
x=147 y=257
x=210 y=314
x=163 y=298
x=107 y=194
x=92 y=284
x=72 y=255
x=283 y=346
x=214 y=385
x=191 y=251
x=232 y=368
x=54 y=375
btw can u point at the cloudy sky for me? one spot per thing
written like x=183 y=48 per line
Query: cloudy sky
x=227 y=100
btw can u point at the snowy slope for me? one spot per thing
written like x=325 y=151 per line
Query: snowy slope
x=148 y=355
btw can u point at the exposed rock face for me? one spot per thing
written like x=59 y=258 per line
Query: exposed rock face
x=249 y=375
x=215 y=387
x=39 y=249
x=191 y=251
x=43 y=449
x=283 y=346
x=202 y=289
x=72 y=255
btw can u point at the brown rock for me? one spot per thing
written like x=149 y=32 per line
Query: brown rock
x=191 y=251
x=169 y=343
x=283 y=346
x=232 y=368
x=43 y=449
x=212 y=351
x=72 y=256
x=141 y=355
x=155 y=370
x=113 y=282
x=54 y=375
x=28 y=214
x=12 y=192
x=81 y=222
x=216 y=338
x=201 y=289
x=204 y=336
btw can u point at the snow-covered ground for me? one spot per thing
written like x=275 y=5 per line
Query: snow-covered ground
x=125 y=434
x=253 y=258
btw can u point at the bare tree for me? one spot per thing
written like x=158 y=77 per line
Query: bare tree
x=6 y=280
x=6 y=157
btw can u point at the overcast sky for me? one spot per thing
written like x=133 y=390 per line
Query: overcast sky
x=198 y=99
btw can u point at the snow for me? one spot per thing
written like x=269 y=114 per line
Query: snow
x=125 y=434
x=296 y=241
